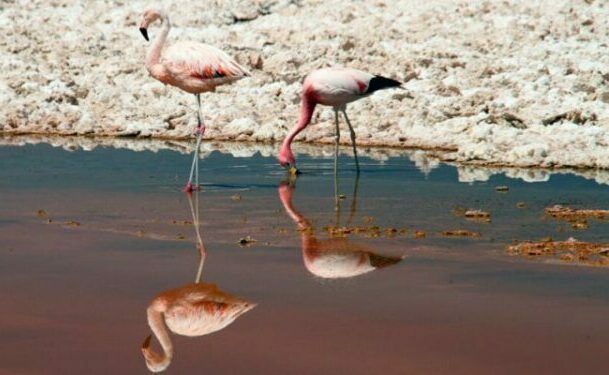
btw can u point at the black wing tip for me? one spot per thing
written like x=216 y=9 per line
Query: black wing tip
x=380 y=83
x=379 y=261
x=390 y=81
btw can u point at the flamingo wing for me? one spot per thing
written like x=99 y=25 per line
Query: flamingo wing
x=202 y=61
x=348 y=82
x=336 y=86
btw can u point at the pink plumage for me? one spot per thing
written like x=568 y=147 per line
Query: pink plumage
x=197 y=68
x=335 y=87
x=193 y=67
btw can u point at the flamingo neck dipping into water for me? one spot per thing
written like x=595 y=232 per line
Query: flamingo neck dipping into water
x=193 y=67
x=335 y=87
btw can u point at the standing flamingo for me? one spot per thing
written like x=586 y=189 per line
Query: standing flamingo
x=335 y=87
x=193 y=67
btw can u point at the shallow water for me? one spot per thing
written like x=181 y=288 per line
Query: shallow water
x=76 y=290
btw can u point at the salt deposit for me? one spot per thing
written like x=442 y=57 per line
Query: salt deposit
x=504 y=83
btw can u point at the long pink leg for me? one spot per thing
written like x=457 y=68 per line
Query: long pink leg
x=352 y=140
x=194 y=168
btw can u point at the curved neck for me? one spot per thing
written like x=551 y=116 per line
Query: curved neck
x=306 y=229
x=154 y=52
x=306 y=112
x=285 y=195
x=158 y=327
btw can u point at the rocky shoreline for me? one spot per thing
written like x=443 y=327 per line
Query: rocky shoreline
x=491 y=82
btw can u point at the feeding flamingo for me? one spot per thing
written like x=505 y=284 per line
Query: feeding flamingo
x=195 y=309
x=193 y=67
x=335 y=87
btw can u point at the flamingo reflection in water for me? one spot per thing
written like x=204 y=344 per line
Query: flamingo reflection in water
x=332 y=258
x=195 y=309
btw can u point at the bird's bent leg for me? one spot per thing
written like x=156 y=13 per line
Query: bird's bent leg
x=337 y=136
x=336 y=199
x=200 y=124
x=188 y=187
x=197 y=160
x=194 y=167
x=352 y=140
x=200 y=132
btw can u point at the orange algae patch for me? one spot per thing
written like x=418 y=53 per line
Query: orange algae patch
x=419 y=234
x=460 y=233
x=371 y=231
x=573 y=214
x=577 y=217
x=583 y=225
x=571 y=250
x=478 y=215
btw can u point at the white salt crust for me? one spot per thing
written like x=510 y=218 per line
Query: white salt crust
x=513 y=83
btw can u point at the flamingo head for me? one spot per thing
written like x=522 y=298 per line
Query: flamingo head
x=154 y=361
x=149 y=16
x=286 y=158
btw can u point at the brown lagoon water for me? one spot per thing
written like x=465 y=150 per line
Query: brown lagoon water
x=75 y=290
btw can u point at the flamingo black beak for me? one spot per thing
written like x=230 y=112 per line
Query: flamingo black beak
x=146 y=343
x=144 y=33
